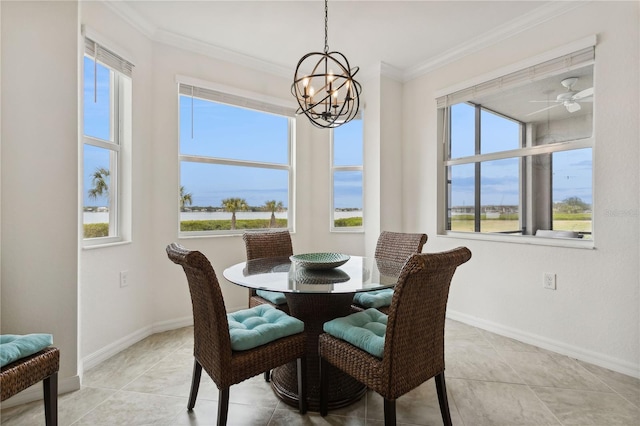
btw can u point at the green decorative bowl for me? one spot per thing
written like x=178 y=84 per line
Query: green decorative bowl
x=321 y=276
x=320 y=260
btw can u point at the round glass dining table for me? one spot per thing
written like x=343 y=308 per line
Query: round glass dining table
x=315 y=296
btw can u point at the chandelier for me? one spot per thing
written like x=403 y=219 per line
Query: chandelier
x=328 y=96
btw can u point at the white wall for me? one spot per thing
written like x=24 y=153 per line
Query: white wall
x=39 y=176
x=594 y=313
x=112 y=317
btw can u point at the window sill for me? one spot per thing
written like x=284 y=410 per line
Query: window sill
x=522 y=239
x=106 y=244
x=348 y=230
x=218 y=234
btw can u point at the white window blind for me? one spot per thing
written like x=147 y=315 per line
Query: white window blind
x=107 y=57
x=558 y=65
x=235 y=100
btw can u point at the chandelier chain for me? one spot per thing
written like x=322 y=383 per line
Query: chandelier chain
x=326 y=26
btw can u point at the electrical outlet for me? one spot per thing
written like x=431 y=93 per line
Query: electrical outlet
x=124 y=278
x=549 y=281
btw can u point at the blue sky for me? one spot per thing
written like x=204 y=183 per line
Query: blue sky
x=216 y=130
x=237 y=133
x=500 y=179
x=229 y=132
x=96 y=124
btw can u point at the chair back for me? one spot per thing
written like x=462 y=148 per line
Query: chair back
x=212 y=343
x=398 y=246
x=414 y=340
x=272 y=243
x=393 y=249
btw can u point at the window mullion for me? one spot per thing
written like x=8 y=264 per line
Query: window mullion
x=478 y=143
x=229 y=162
x=524 y=152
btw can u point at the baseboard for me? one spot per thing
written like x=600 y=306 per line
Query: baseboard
x=581 y=354
x=159 y=327
x=119 y=345
x=35 y=392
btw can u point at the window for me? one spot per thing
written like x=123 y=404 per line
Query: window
x=235 y=162
x=518 y=151
x=346 y=176
x=106 y=135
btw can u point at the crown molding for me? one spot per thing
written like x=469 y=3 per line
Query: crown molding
x=392 y=72
x=509 y=29
x=137 y=21
x=536 y=17
x=207 y=49
x=130 y=16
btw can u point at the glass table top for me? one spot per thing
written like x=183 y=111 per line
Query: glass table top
x=283 y=275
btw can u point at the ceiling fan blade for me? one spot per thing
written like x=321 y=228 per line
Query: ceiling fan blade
x=583 y=94
x=572 y=106
x=547 y=101
x=543 y=109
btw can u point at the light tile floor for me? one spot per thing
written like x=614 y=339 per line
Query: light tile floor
x=491 y=380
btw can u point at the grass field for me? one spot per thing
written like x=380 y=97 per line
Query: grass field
x=489 y=225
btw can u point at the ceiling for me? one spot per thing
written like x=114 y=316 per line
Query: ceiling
x=401 y=34
x=407 y=37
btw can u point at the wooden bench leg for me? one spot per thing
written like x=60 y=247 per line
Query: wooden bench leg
x=50 y=386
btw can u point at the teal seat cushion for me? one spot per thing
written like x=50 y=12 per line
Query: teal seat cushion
x=365 y=330
x=13 y=346
x=274 y=297
x=250 y=328
x=374 y=299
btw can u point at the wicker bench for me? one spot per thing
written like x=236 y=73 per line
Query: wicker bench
x=41 y=366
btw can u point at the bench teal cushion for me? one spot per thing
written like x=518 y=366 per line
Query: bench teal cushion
x=365 y=330
x=274 y=297
x=374 y=299
x=250 y=328
x=13 y=346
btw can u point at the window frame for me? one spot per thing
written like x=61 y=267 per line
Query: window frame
x=255 y=102
x=120 y=103
x=478 y=159
x=351 y=168
x=524 y=153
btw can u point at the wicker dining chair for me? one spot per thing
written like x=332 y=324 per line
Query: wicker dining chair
x=411 y=343
x=42 y=367
x=212 y=337
x=392 y=248
x=265 y=244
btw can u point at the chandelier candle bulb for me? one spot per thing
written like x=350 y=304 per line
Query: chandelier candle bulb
x=305 y=83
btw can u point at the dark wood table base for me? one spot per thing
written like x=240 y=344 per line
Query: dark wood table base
x=314 y=310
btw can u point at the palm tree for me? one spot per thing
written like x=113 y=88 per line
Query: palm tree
x=273 y=206
x=185 y=198
x=233 y=205
x=100 y=182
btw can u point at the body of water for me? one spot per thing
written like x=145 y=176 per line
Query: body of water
x=103 y=217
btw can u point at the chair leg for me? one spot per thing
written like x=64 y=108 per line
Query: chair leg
x=267 y=376
x=302 y=384
x=442 y=399
x=223 y=406
x=195 y=384
x=50 y=387
x=324 y=387
x=389 y=412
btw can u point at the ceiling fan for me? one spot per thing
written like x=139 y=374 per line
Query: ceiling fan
x=570 y=98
